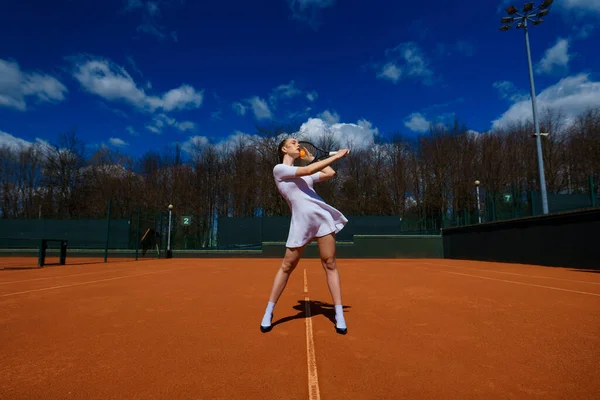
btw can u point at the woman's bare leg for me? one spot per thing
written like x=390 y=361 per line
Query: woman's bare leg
x=327 y=251
x=328 y=260
x=290 y=260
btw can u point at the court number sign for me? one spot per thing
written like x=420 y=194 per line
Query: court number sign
x=186 y=220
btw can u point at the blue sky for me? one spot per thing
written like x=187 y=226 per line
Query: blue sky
x=138 y=75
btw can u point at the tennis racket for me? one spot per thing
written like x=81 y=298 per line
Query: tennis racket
x=309 y=153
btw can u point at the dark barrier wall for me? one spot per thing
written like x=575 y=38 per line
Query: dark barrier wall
x=240 y=231
x=565 y=240
x=371 y=246
x=79 y=233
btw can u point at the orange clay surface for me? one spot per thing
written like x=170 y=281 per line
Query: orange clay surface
x=189 y=329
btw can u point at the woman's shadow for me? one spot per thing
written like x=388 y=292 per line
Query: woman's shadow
x=316 y=308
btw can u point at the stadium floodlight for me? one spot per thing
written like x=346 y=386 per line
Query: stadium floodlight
x=531 y=14
x=511 y=10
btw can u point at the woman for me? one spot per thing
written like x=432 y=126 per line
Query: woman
x=311 y=218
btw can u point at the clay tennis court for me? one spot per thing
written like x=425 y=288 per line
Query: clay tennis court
x=189 y=329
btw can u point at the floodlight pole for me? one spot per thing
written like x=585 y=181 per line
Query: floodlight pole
x=538 y=137
x=534 y=15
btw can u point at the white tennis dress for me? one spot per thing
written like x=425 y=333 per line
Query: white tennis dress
x=311 y=216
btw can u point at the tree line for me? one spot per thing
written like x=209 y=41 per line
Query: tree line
x=429 y=175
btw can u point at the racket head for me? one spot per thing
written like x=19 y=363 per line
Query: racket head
x=309 y=150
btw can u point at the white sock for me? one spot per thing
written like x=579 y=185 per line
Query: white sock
x=339 y=316
x=268 y=313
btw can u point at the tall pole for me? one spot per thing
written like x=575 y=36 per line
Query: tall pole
x=168 y=255
x=533 y=14
x=538 y=137
x=169 y=234
x=478 y=203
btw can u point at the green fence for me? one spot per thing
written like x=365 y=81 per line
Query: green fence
x=137 y=234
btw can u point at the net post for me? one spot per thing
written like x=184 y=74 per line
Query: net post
x=137 y=233
x=107 y=232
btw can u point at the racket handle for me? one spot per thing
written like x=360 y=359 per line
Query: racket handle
x=331 y=153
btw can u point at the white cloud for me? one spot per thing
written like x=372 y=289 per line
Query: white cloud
x=131 y=130
x=224 y=145
x=329 y=117
x=194 y=142
x=390 y=71
x=556 y=57
x=571 y=96
x=260 y=108
x=286 y=91
x=312 y=96
x=416 y=122
x=263 y=109
x=178 y=99
x=239 y=108
x=17 y=87
x=118 y=142
x=581 y=6
x=161 y=121
x=112 y=82
x=509 y=91
x=185 y=126
x=14 y=143
x=360 y=135
x=405 y=61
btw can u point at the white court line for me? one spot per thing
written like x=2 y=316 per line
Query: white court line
x=305 y=282
x=313 y=379
x=86 y=283
x=515 y=282
x=513 y=273
x=64 y=276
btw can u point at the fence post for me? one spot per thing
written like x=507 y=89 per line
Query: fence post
x=514 y=201
x=107 y=232
x=137 y=233
x=592 y=194
x=533 y=200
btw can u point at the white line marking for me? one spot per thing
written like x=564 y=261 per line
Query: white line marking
x=313 y=379
x=64 y=276
x=305 y=282
x=86 y=283
x=515 y=282
x=513 y=273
